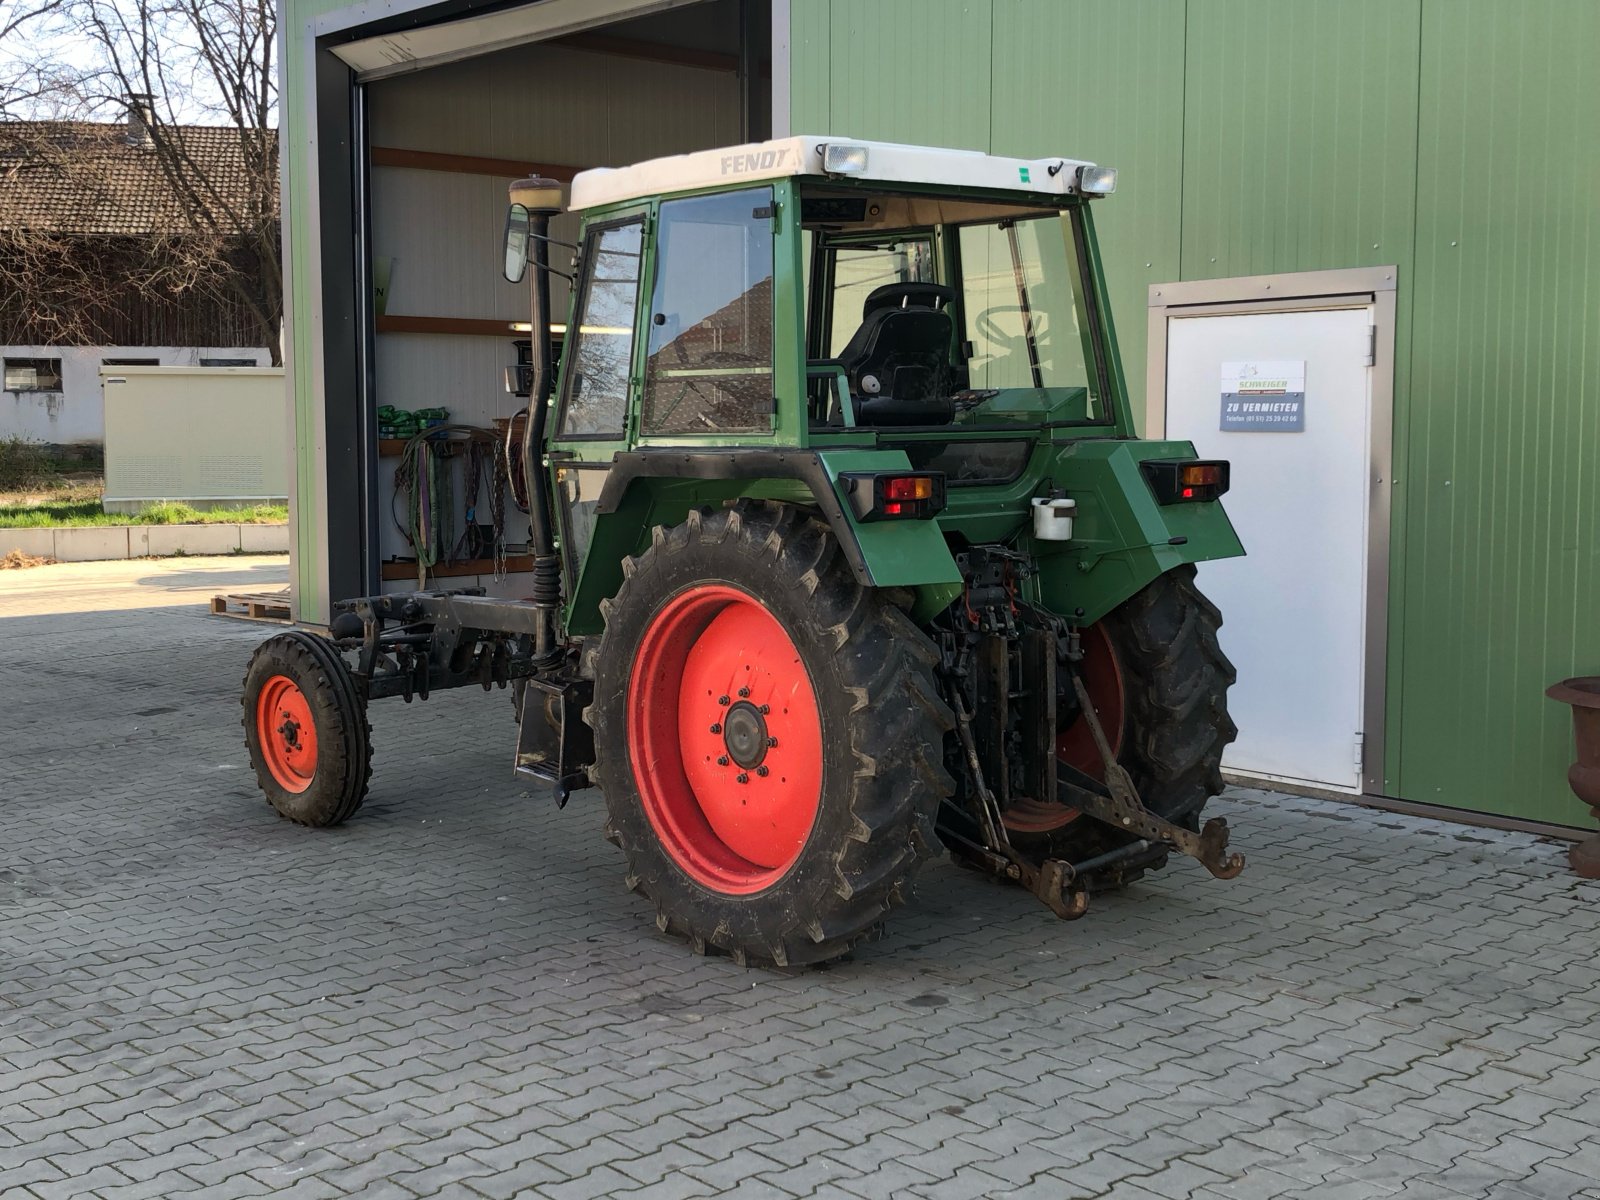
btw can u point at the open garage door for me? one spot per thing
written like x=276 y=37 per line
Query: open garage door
x=441 y=117
x=450 y=41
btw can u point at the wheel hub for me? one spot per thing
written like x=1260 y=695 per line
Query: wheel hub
x=725 y=738
x=744 y=732
x=286 y=734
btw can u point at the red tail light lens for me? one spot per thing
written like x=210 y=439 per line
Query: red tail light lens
x=893 y=495
x=908 y=487
x=1178 y=481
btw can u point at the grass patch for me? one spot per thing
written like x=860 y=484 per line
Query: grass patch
x=75 y=510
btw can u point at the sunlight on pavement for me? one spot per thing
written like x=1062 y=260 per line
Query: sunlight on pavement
x=136 y=583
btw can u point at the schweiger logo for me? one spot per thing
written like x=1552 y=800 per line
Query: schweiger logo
x=763 y=160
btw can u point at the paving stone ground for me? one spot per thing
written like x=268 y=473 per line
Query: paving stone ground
x=454 y=996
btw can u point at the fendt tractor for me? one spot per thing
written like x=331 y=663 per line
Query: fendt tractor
x=844 y=551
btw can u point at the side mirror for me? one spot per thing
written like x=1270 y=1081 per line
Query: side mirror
x=517 y=226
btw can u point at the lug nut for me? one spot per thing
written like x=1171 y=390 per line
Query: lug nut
x=722 y=760
x=722 y=700
x=765 y=709
x=715 y=727
x=744 y=692
x=763 y=771
x=771 y=742
x=742 y=777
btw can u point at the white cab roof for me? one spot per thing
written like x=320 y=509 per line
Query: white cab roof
x=887 y=162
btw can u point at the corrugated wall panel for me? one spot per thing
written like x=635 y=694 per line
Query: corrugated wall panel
x=1299 y=135
x=910 y=71
x=810 y=96
x=1503 y=567
x=1103 y=80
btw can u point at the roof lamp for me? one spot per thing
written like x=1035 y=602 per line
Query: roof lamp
x=1097 y=181
x=841 y=159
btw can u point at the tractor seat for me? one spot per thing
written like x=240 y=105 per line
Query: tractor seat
x=898 y=362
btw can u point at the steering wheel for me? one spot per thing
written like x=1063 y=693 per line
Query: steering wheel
x=990 y=330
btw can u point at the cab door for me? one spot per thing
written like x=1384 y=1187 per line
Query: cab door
x=597 y=372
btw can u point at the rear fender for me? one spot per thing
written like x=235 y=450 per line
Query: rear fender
x=1123 y=539
x=650 y=487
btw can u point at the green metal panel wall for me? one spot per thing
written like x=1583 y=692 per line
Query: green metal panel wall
x=1261 y=136
x=1502 y=565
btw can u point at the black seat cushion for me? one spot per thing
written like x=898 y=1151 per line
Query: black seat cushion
x=898 y=362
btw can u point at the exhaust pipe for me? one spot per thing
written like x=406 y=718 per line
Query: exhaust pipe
x=542 y=199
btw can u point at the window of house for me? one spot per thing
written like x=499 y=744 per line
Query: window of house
x=227 y=362
x=33 y=374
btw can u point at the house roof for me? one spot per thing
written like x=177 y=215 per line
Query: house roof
x=99 y=178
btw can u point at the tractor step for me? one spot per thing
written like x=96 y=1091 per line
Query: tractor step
x=554 y=744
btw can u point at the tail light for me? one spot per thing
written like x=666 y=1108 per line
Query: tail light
x=1181 y=481
x=894 y=495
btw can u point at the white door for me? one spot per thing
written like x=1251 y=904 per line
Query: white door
x=1294 y=609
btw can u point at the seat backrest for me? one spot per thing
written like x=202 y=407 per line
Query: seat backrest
x=898 y=362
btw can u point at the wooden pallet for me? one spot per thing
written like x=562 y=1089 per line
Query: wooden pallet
x=253 y=606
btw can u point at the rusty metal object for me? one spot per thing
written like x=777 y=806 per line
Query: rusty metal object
x=1053 y=882
x=1583 y=776
x=1122 y=809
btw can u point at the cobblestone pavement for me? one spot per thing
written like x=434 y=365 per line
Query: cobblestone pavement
x=453 y=995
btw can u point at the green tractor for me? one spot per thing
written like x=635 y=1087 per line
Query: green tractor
x=844 y=551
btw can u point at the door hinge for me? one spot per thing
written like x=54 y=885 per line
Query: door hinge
x=1361 y=752
x=1372 y=346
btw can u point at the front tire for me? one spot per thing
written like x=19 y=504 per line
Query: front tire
x=306 y=729
x=768 y=736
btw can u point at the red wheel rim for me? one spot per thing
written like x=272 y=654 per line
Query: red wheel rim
x=1102 y=676
x=286 y=734
x=725 y=739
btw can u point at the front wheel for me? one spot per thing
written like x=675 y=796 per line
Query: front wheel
x=768 y=736
x=306 y=729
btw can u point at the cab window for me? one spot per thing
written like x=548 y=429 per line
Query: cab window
x=859 y=269
x=709 y=358
x=600 y=350
x=1018 y=305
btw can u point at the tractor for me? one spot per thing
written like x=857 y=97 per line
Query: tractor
x=845 y=552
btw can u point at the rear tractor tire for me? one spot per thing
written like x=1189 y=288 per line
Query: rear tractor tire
x=768 y=736
x=306 y=728
x=1159 y=682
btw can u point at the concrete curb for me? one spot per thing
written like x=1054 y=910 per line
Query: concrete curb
x=97 y=543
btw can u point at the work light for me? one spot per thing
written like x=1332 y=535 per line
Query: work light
x=842 y=159
x=1097 y=181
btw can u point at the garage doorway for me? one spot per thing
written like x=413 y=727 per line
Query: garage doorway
x=1290 y=378
x=424 y=113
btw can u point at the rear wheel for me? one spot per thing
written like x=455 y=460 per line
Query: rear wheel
x=768 y=737
x=306 y=729
x=1159 y=682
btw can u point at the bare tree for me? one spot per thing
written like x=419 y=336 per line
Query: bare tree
x=196 y=80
